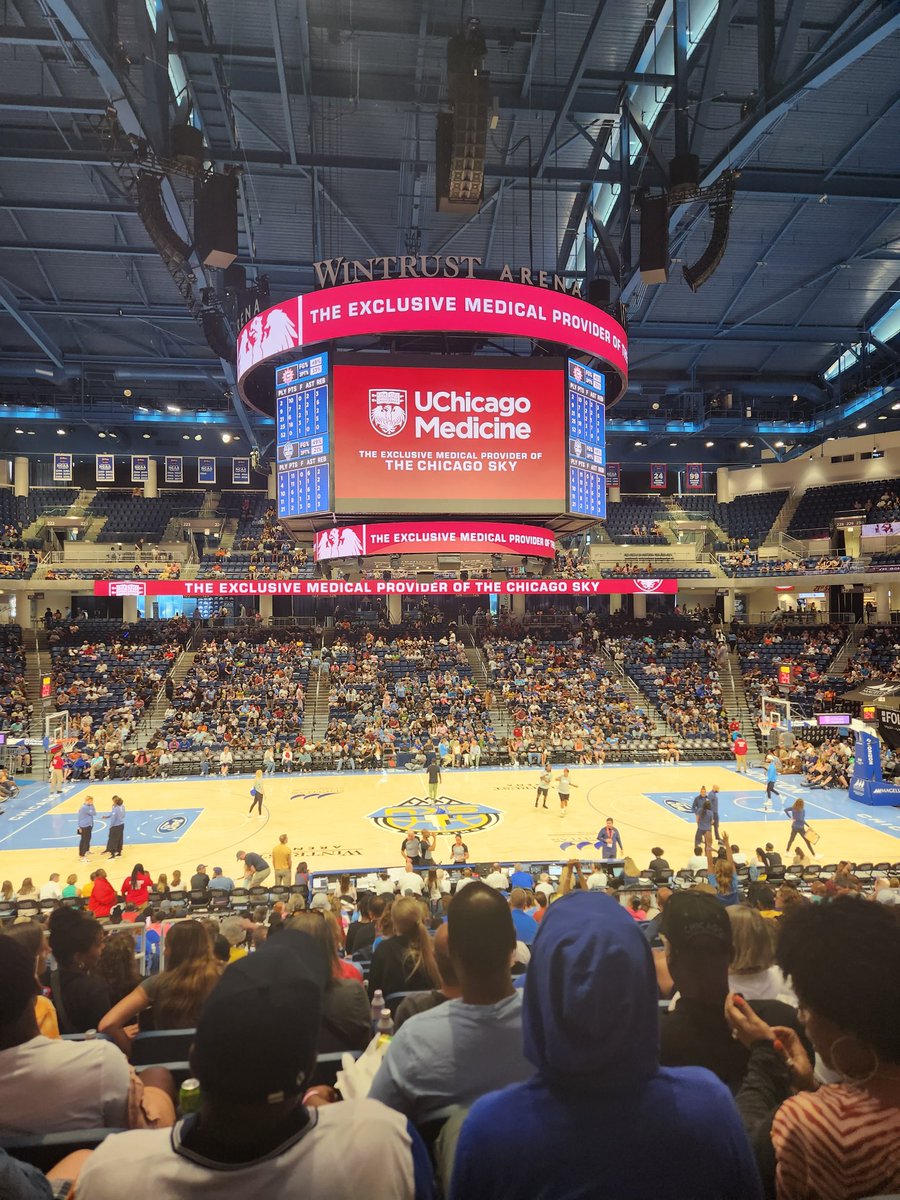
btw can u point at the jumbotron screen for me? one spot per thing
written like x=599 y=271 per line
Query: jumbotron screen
x=450 y=437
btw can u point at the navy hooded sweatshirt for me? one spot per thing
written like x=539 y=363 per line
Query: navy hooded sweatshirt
x=600 y=1118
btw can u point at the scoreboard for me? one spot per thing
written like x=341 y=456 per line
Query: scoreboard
x=303 y=447
x=586 y=440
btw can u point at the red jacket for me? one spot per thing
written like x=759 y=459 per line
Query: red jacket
x=138 y=895
x=103 y=897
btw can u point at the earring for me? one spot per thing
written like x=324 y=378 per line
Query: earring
x=846 y=1077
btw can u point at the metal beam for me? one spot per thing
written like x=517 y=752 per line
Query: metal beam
x=9 y=302
x=83 y=208
x=52 y=104
x=282 y=80
x=571 y=87
x=714 y=55
x=787 y=41
x=689 y=333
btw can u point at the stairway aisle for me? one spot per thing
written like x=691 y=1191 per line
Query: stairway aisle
x=737 y=705
x=315 y=714
x=155 y=714
x=499 y=714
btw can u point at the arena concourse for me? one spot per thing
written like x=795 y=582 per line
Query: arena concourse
x=450 y=610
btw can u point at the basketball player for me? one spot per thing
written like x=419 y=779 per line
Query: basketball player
x=546 y=778
x=564 y=785
x=256 y=793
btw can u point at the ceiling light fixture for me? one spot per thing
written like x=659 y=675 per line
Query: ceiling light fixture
x=779 y=445
x=61 y=432
x=101 y=435
x=226 y=438
x=172 y=408
x=127 y=393
x=745 y=445
x=146 y=437
x=862 y=425
x=709 y=445
x=198 y=437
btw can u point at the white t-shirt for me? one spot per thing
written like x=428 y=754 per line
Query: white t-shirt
x=50 y=891
x=411 y=881
x=498 y=880
x=49 y=1086
x=548 y=889
x=597 y=880
x=331 y=1160
x=696 y=863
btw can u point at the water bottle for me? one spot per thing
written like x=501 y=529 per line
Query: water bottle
x=385 y=1028
x=377 y=1006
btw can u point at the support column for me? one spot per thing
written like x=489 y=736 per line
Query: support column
x=883 y=602
x=615 y=495
x=728 y=607
x=395 y=609
x=265 y=609
x=615 y=605
x=272 y=485
x=640 y=606
x=517 y=605
x=129 y=609
x=20 y=476
x=723 y=486
x=151 y=491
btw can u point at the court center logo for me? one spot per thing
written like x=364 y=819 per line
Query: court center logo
x=443 y=815
x=388 y=410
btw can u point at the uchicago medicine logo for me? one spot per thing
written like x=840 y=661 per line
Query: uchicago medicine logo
x=387 y=410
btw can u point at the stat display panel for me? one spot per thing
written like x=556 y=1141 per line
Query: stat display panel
x=303 y=446
x=586 y=440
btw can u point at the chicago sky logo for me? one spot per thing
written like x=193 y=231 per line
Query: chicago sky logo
x=442 y=816
x=648 y=585
x=387 y=410
x=171 y=825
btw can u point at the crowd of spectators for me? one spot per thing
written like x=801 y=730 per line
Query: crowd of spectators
x=681 y=678
x=562 y=697
x=764 y=652
x=527 y=1011
x=15 y=707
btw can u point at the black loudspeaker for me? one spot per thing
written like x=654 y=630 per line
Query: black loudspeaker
x=387 y=574
x=215 y=222
x=598 y=292
x=654 y=239
x=153 y=215
x=464 y=575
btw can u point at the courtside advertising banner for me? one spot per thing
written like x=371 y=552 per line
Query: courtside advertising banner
x=659 y=475
x=435 y=537
x=693 y=477
x=467 y=305
x=174 y=468
x=240 y=470
x=206 y=470
x=457 y=438
x=198 y=588
x=105 y=468
x=62 y=468
x=140 y=468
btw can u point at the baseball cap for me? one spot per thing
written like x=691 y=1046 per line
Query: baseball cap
x=320 y=901
x=19 y=984
x=257 y=1035
x=694 y=917
x=201 y=866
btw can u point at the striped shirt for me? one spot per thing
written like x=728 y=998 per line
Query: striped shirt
x=838 y=1143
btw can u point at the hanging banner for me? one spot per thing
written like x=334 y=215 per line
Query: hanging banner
x=62 y=468
x=174 y=468
x=613 y=474
x=659 y=475
x=385 y=587
x=784 y=675
x=105 y=468
x=889 y=727
x=693 y=477
x=206 y=470
x=240 y=470
x=140 y=468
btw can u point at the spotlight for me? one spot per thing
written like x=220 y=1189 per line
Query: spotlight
x=22 y=431
x=226 y=438
x=709 y=445
x=185 y=437
x=655 y=406
x=127 y=393
x=895 y=408
x=198 y=437
x=779 y=445
x=745 y=445
x=100 y=435
x=673 y=443
x=720 y=209
x=146 y=437
x=61 y=432
x=862 y=425
x=172 y=408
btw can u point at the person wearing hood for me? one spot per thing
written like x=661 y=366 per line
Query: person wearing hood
x=591 y=1029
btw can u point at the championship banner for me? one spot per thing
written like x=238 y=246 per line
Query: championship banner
x=206 y=470
x=613 y=475
x=198 y=588
x=240 y=470
x=659 y=476
x=105 y=468
x=174 y=468
x=140 y=468
x=62 y=468
x=434 y=537
x=693 y=477
x=428 y=305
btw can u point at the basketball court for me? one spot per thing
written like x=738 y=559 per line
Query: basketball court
x=356 y=820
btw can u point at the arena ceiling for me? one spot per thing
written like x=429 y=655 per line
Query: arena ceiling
x=328 y=109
